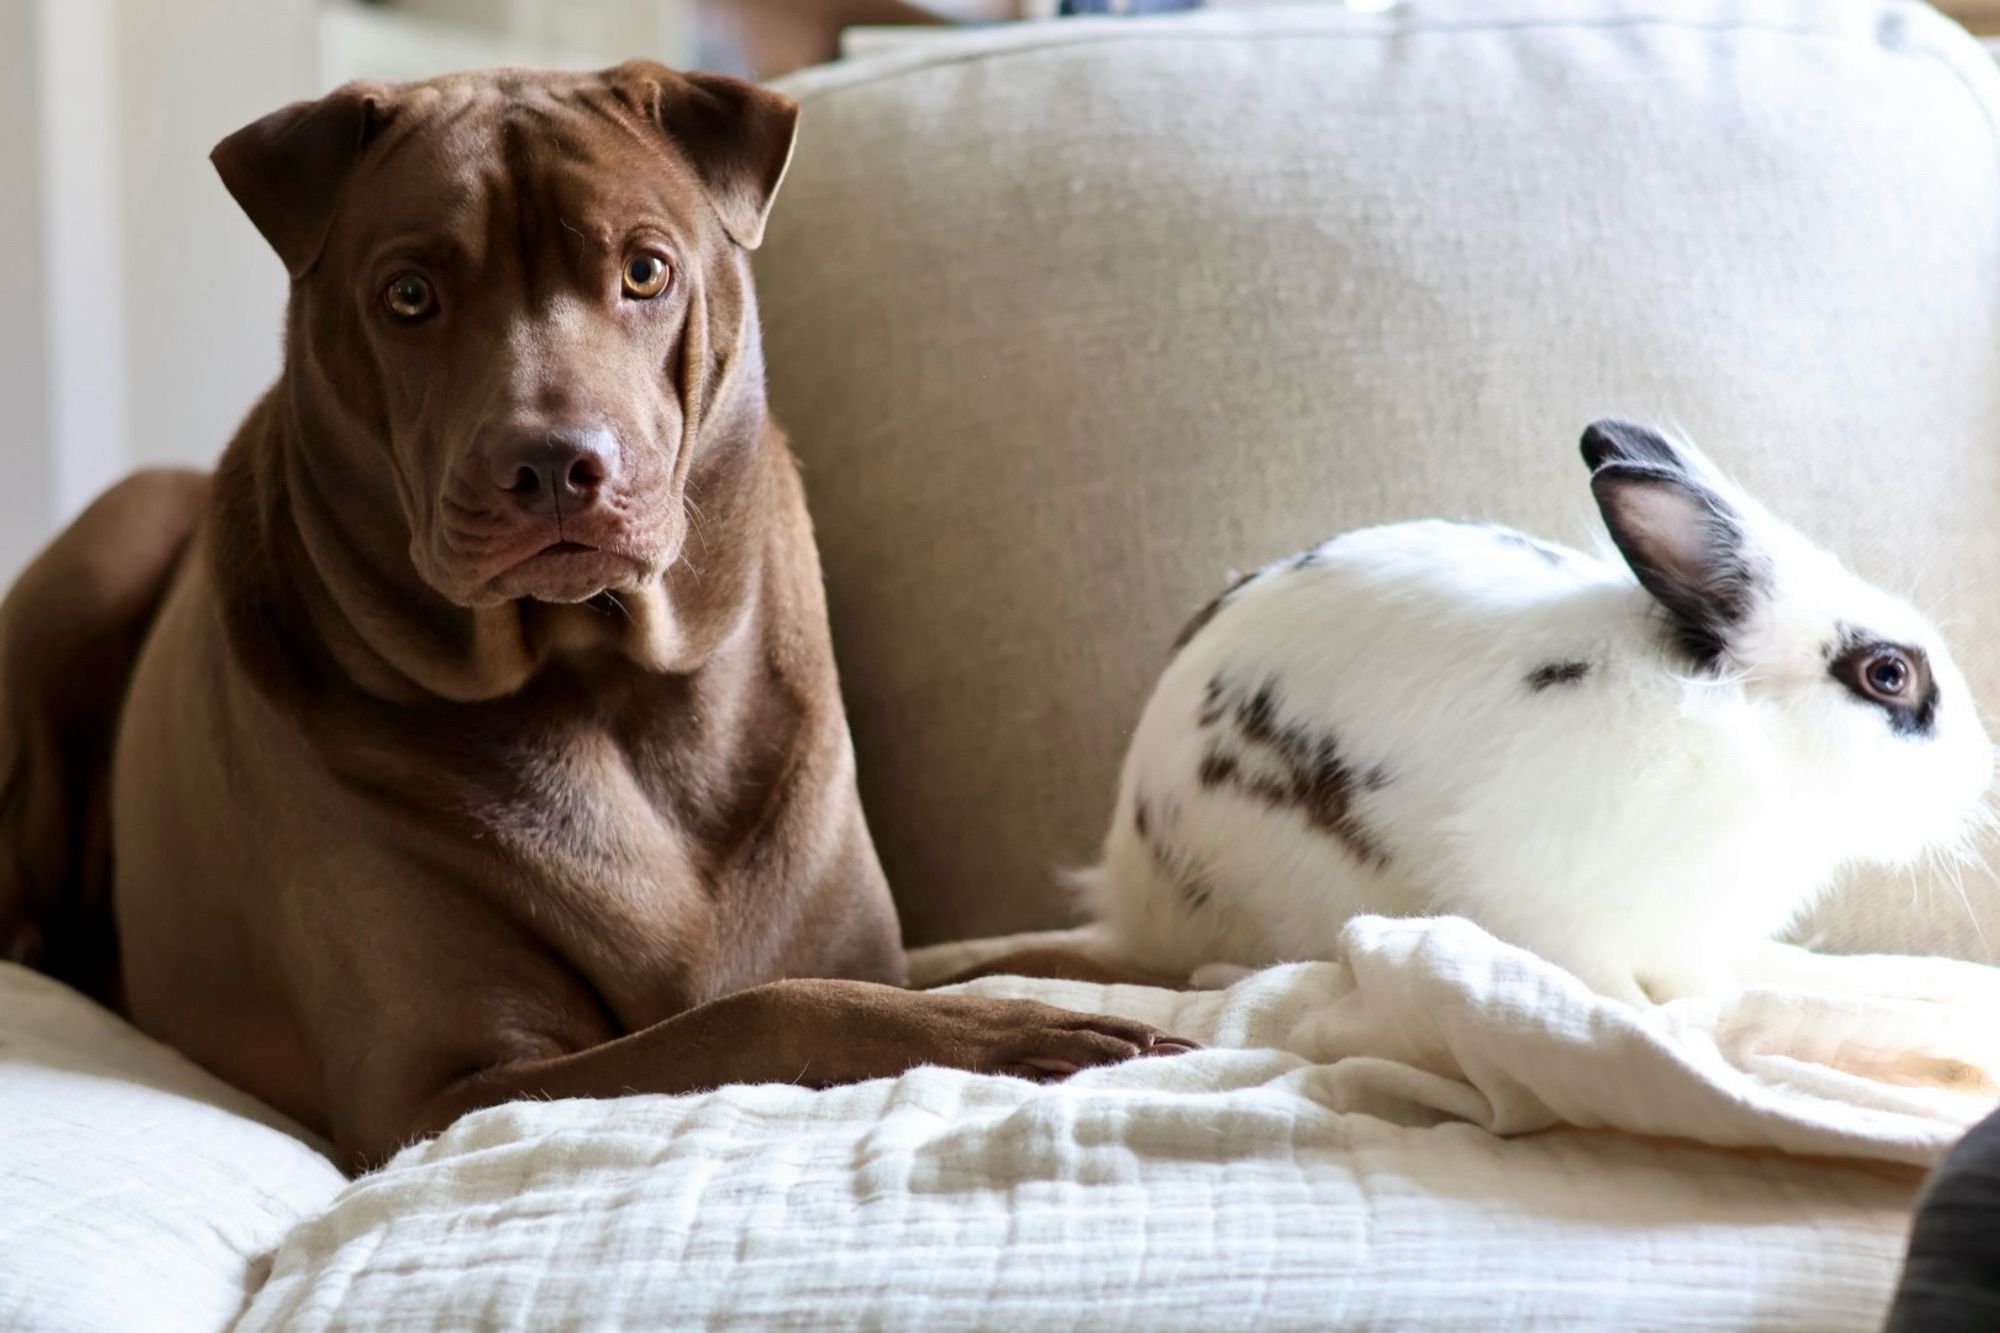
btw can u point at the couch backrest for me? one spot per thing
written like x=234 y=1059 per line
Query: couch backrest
x=1069 y=321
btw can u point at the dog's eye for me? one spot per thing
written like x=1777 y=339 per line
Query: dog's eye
x=1887 y=674
x=410 y=297
x=646 y=276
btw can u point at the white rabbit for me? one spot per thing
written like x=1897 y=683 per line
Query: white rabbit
x=1639 y=772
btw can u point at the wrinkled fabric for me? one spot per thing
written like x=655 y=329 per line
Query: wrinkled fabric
x=1329 y=1160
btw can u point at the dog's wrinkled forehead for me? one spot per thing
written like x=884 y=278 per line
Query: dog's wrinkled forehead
x=479 y=167
x=370 y=159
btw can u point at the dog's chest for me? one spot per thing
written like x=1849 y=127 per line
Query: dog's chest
x=577 y=811
x=620 y=827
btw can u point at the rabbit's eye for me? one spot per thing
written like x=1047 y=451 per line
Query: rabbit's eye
x=1894 y=677
x=1887 y=674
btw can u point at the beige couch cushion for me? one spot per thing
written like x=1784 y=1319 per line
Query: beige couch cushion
x=136 y=1190
x=1070 y=321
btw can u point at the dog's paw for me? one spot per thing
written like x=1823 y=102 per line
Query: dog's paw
x=1028 y=1039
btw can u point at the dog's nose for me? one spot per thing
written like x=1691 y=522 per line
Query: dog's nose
x=550 y=472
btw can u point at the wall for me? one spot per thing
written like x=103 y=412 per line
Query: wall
x=83 y=271
x=139 y=312
x=26 y=502
x=204 y=295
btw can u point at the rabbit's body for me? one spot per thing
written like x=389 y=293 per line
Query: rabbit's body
x=1442 y=718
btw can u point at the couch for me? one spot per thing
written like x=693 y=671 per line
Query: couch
x=1067 y=321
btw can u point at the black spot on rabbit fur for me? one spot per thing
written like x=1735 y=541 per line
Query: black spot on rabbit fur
x=1557 y=673
x=1257 y=716
x=1305 y=771
x=1194 y=888
x=1208 y=613
x=1212 y=704
x=1217 y=769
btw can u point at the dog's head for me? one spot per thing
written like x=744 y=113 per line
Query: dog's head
x=522 y=293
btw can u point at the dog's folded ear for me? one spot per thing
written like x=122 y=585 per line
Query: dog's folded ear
x=737 y=136
x=287 y=170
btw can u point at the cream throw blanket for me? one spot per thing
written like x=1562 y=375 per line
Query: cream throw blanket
x=1428 y=1020
x=1324 y=1162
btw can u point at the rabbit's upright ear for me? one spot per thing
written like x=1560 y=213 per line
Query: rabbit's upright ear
x=1689 y=547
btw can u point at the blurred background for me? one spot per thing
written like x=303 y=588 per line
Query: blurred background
x=140 y=313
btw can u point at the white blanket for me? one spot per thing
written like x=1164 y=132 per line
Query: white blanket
x=1327 y=1161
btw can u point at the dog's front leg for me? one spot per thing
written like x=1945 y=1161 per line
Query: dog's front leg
x=816 y=1033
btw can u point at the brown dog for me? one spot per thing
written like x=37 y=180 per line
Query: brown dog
x=475 y=734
